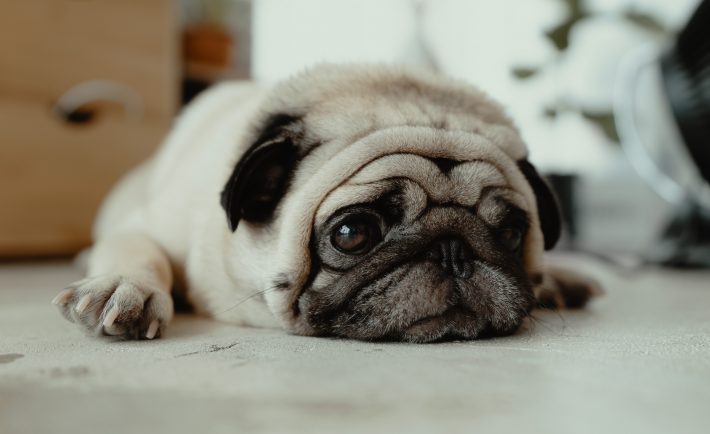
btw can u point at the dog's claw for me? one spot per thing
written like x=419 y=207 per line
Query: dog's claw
x=63 y=297
x=152 y=329
x=110 y=317
x=83 y=303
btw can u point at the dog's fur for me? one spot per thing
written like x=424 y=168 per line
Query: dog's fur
x=238 y=212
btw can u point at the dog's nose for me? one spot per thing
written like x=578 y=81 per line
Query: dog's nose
x=453 y=255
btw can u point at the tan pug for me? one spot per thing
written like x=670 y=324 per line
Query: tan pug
x=358 y=201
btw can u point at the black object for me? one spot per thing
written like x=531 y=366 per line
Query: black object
x=79 y=116
x=686 y=78
x=685 y=71
x=191 y=88
x=686 y=240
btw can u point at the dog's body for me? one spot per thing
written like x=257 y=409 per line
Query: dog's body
x=366 y=202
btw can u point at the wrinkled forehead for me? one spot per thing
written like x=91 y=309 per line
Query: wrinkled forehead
x=351 y=116
x=422 y=181
x=337 y=103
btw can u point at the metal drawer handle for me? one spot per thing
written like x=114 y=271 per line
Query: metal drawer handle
x=71 y=106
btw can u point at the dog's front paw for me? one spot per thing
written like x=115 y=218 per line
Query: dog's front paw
x=116 y=306
x=561 y=288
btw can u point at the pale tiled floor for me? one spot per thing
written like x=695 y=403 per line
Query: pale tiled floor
x=636 y=361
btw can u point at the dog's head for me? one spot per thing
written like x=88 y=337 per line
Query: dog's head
x=399 y=205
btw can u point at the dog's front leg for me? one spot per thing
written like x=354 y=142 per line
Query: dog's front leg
x=563 y=288
x=127 y=291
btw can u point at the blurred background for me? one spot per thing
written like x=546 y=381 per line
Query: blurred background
x=88 y=88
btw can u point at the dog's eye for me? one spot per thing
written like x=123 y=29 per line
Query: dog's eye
x=356 y=236
x=512 y=238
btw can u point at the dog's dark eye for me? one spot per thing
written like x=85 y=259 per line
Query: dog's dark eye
x=356 y=236
x=512 y=238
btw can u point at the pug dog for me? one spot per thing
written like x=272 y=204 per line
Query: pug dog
x=358 y=201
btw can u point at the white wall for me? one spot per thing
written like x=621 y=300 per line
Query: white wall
x=292 y=34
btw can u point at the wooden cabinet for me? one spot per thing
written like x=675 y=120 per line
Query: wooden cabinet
x=113 y=60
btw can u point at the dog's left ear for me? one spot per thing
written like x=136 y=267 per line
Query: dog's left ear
x=547 y=207
x=263 y=173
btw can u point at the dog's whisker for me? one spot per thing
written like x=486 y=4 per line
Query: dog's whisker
x=247 y=298
x=548 y=325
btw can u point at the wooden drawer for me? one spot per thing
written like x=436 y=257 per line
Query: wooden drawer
x=54 y=174
x=48 y=46
x=53 y=178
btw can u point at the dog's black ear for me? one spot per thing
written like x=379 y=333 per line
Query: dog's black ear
x=263 y=173
x=547 y=207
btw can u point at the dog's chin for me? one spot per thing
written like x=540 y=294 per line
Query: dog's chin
x=457 y=323
x=454 y=323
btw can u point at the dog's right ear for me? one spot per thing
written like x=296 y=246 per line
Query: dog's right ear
x=262 y=175
x=548 y=208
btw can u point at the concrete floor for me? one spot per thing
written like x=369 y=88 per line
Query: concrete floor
x=636 y=361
